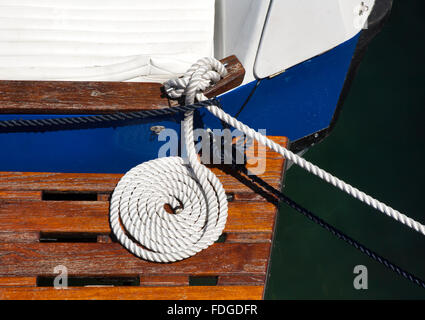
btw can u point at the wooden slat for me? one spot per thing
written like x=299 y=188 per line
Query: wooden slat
x=18 y=282
x=75 y=97
x=50 y=181
x=248 y=196
x=55 y=216
x=241 y=280
x=105 y=183
x=18 y=236
x=93 y=216
x=164 y=280
x=97 y=259
x=20 y=195
x=249 y=237
x=242 y=186
x=66 y=97
x=136 y=293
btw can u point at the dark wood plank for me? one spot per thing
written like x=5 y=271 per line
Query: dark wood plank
x=96 y=259
x=235 y=76
x=66 y=97
x=75 y=97
x=135 y=293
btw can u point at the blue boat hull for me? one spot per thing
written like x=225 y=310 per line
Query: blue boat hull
x=296 y=103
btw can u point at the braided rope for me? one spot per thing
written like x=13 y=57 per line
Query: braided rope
x=33 y=125
x=315 y=170
x=308 y=166
x=137 y=214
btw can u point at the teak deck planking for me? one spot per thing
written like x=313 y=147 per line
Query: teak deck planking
x=30 y=216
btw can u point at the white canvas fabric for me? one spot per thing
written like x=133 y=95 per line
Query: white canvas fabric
x=103 y=40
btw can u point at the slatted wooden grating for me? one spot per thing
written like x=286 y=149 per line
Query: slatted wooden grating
x=52 y=219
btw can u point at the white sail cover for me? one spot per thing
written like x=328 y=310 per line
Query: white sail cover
x=103 y=40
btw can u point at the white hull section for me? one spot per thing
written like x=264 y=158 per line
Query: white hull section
x=296 y=31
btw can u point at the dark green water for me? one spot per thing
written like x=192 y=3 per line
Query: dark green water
x=377 y=146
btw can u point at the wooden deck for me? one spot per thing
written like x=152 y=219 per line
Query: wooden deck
x=51 y=219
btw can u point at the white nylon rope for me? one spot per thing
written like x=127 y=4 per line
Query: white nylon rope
x=139 y=198
x=137 y=214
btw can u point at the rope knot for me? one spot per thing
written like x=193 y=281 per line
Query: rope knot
x=201 y=75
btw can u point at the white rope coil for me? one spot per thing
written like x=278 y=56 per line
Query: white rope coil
x=138 y=217
x=137 y=214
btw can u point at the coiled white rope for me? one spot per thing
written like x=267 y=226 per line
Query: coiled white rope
x=139 y=198
x=137 y=214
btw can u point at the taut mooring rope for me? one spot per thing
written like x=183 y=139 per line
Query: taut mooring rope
x=140 y=196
